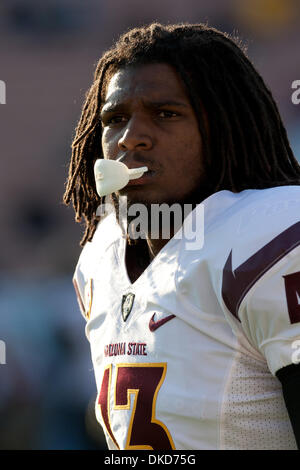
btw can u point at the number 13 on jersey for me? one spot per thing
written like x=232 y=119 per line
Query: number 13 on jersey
x=143 y=381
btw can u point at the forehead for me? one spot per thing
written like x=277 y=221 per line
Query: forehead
x=156 y=81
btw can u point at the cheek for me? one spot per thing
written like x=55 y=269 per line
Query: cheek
x=194 y=153
x=189 y=157
x=186 y=169
x=109 y=145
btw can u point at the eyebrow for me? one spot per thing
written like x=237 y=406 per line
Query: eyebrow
x=113 y=107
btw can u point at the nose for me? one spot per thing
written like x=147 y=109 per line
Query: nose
x=135 y=136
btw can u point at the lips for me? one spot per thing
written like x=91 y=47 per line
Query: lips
x=144 y=179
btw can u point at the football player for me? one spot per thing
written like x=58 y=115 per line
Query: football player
x=193 y=346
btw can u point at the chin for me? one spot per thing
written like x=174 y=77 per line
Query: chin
x=138 y=195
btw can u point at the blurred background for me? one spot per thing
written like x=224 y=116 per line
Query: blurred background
x=48 y=51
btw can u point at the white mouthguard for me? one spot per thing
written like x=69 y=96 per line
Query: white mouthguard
x=110 y=175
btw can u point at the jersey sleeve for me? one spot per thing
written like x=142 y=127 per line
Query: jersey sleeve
x=270 y=313
x=82 y=279
x=79 y=290
x=91 y=257
x=80 y=286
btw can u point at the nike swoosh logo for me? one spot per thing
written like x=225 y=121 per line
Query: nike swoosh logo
x=237 y=283
x=153 y=325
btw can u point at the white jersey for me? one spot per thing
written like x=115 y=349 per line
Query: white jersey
x=193 y=365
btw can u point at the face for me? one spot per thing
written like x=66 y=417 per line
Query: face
x=148 y=121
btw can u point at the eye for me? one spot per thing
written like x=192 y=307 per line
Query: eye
x=167 y=114
x=109 y=121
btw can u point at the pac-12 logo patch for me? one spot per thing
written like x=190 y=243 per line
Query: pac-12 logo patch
x=127 y=304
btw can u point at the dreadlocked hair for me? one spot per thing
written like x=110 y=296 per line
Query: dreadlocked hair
x=245 y=144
